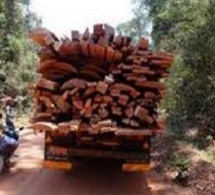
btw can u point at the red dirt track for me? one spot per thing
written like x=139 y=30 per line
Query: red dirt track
x=28 y=177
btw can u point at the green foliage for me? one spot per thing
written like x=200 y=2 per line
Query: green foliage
x=186 y=27
x=180 y=162
x=138 y=26
x=17 y=53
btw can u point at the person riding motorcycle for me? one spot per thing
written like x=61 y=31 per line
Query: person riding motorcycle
x=8 y=138
x=8 y=135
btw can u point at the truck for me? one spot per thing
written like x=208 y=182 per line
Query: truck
x=99 y=92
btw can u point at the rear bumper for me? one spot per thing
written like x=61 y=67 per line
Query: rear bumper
x=66 y=154
x=134 y=157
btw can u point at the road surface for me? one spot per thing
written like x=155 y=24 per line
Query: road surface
x=28 y=177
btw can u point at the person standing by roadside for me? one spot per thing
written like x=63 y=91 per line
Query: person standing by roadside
x=9 y=113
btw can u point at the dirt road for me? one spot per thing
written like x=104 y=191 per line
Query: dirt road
x=28 y=177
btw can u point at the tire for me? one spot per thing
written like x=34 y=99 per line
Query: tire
x=1 y=163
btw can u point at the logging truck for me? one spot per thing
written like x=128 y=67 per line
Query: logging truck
x=106 y=83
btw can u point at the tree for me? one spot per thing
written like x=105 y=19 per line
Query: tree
x=186 y=28
x=138 y=26
x=17 y=53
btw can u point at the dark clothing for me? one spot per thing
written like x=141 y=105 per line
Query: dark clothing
x=9 y=112
x=8 y=144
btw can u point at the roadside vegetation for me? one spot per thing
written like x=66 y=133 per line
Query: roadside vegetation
x=185 y=28
x=18 y=55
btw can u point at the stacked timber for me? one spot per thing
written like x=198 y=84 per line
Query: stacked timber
x=101 y=80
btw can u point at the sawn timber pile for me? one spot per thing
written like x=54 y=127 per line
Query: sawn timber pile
x=99 y=79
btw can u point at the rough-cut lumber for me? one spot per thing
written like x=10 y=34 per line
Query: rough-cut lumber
x=43 y=36
x=78 y=104
x=65 y=67
x=123 y=100
x=116 y=111
x=107 y=99
x=129 y=112
x=122 y=87
x=134 y=123
x=46 y=84
x=102 y=87
x=103 y=113
x=151 y=84
x=75 y=35
x=104 y=81
x=90 y=90
x=43 y=126
x=61 y=103
x=143 y=44
x=72 y=83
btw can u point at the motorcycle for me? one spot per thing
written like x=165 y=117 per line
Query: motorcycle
x=9 y=141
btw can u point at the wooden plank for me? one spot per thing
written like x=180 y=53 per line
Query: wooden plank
x=88 y=103
x=78 y=104
x=143 y=44
x=74 y=91
x=129 y=112
x=42 y=116
x=61 y=66
x=60 y=103
x=126 y=121
x=95 y=106
x=116 y=110
x=43 y=37
x=102 y=87
x=134 y=123
x=151 y=85
x=75 y=35
x=90 y=90
x=115 y=92
x=109 y=32
x=107 y=99
x=98 y=98
x=72 y=83
x=109 y=54
x=117 y=56
x=89 y=74
x=122 y=87
x=103 y=41
x=123 y=100
x=43 y=126
x=118 y=41
x=149 y=95
x=86 y=35
x=135 y=94
x=100 y=52
x=85 y=48
x=47 y=101
x=98 y=30
x=131 y=132
x=49 y=85
x=94 y=68
x=140 y=112
x=103 y=113
x=143 y=71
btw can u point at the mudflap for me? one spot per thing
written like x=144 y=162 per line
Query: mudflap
x=56 y=157
x=59 y=165
x=142 y=162
x=136 y=167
